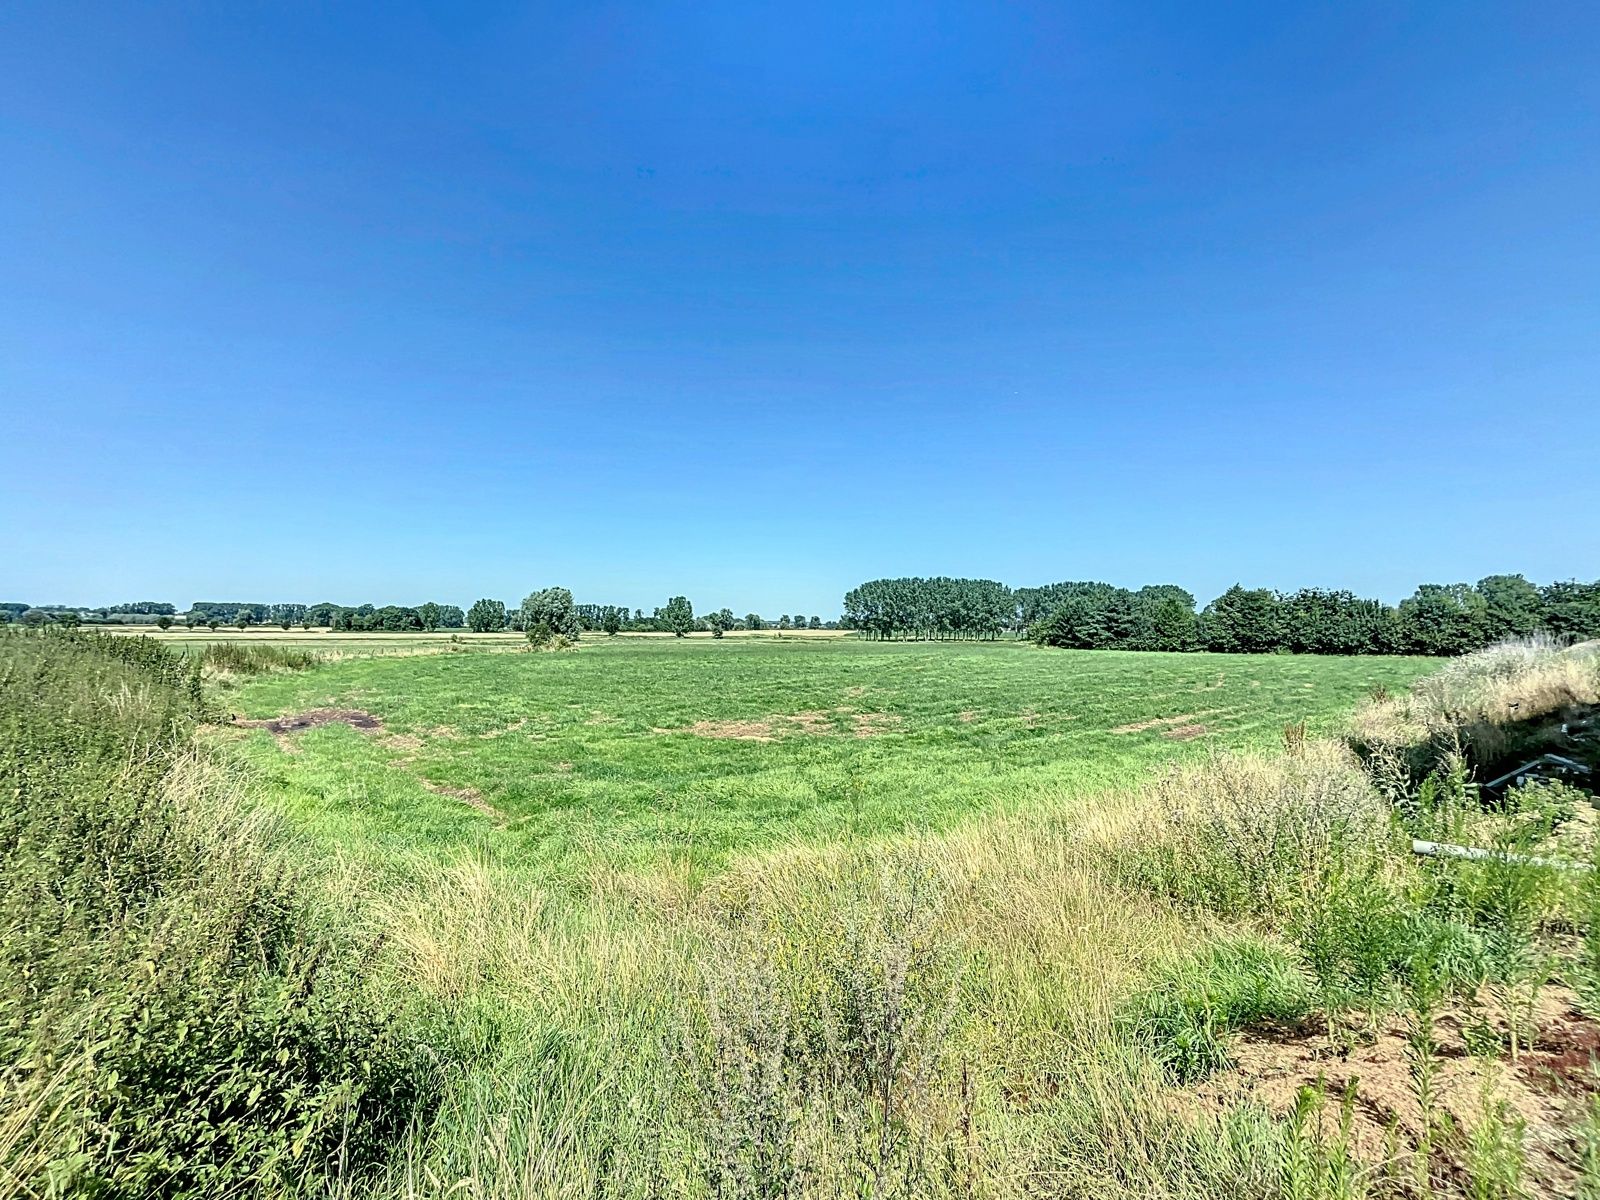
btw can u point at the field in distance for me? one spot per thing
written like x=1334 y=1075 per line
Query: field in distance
x=333 y=642
x=644 y=751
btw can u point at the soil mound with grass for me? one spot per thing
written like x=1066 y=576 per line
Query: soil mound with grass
x=352 y=717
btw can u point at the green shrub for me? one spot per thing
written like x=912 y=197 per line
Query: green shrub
x=1183 y=1019
x=176 y=1017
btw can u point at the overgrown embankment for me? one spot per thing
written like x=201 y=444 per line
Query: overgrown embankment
x=1493 y=709
x=179 y=1013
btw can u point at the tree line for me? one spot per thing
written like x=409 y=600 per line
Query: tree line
x=1437 y=619
x=552 y=610
x=562 y=616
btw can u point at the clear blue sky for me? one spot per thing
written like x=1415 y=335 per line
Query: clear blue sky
x=389 y=302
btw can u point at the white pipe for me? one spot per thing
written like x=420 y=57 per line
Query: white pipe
x=1476 y=854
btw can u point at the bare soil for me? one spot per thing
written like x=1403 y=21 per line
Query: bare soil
x=1545 y=1088
x=1183 y=720
x=810 y=723
x=352 y=717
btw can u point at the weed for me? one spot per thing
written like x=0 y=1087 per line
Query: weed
x=1183 y=1019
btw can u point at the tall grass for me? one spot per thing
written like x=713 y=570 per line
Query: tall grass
x=256 y=658
x=1487 y=704
x=1014 y=1008
x=178 y=1013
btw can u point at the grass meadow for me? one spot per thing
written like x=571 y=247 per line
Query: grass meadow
x=761 y=918
x=643 y=753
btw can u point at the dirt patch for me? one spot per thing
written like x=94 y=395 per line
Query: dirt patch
x=1185 y=733
x=813 y=722
x=469 y=796
x=1183 y=720
x=352 y=717
x=739 y=731
x=810 y=723
x=1546 y=1087
x=511 y=728
x=1215 y=684
x=967 y=716
x=874 y=724
x=282 y=727
x=404 y=741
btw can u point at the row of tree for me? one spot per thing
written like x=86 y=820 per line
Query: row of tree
x=551 y=613
x=1436 y=619
x=556 y=610
x=940 y=609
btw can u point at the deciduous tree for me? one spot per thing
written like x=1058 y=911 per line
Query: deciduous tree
x=677 y=617
x=487 y=616
x=553 y=608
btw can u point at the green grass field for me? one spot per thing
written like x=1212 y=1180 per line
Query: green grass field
x=790 y=918
x=632 y=752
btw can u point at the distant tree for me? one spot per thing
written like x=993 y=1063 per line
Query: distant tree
x=487 y=616
x=1088 y=616
x=611 y=619
x=1243 y=621
x=278 y=614
x=163 y=622
x=451 y=617
x=213 y=624
x=33 y=617
x=754 y=621
x=1316 y=621
x=1163 y=619
x=1571 y=609
x=783 y=621
x=430 y=615
x=143 y=608
x=720 y=621
x=1511 y=607
x=1444 y=618
x=396 y=618
x=814 y=623
x=244 y=620
x=7 y=616
x=553 y=608
x=677 y=618
x=323 y=614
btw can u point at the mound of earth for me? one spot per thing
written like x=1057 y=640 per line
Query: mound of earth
x=352 y=717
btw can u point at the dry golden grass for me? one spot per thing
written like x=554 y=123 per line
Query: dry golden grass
x=1474 y=699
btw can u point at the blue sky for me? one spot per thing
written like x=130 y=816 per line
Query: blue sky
x=390 y=302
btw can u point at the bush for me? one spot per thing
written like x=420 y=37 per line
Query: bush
x=176 y=1017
